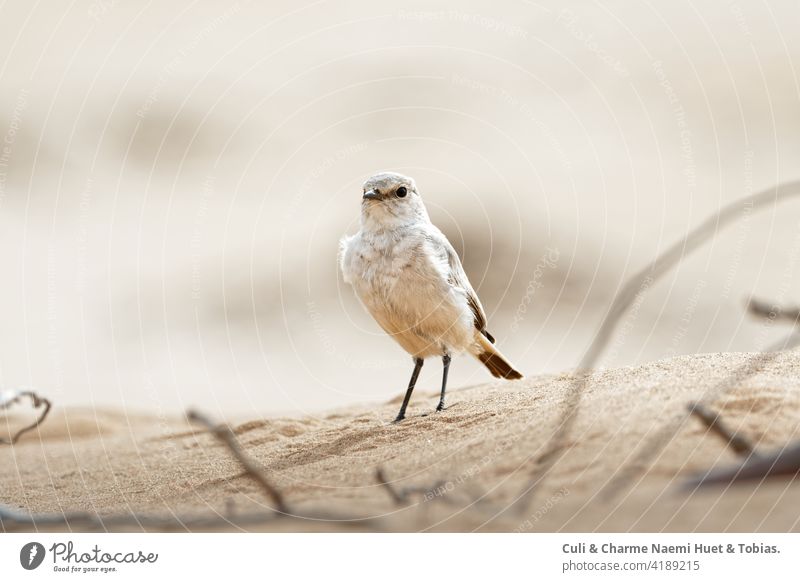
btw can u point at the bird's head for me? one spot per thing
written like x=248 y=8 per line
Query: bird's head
x=390 y=200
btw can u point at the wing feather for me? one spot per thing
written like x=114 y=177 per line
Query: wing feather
x=458 y=278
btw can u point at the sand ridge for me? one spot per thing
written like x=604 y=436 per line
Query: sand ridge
x=481 y=451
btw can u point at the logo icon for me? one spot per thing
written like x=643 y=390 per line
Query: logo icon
x=31 y=555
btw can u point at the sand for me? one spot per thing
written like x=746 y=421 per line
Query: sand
x=462 y=468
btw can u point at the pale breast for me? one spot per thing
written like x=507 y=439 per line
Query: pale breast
x=404 y=283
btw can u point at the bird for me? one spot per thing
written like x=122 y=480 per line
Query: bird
x=410 y=279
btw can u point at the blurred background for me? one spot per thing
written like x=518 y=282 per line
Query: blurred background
x=175 y=177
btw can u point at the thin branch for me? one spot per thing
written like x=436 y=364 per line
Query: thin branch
x=397 y=497
x=774 y=312
x=403 y=496
x=633 y=289
x=37 y=402
x=14 y=519
x=226 y=436
x=714 y=423
x=784 y=462
x=654 y=446
x=645 y=278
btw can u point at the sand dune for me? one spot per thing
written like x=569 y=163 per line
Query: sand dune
x=630 y=449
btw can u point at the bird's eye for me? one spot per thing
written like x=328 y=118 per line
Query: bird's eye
x=401 y=192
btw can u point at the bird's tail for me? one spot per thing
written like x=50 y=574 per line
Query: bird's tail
x=494 y=360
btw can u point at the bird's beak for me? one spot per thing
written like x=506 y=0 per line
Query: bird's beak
x=371 y=195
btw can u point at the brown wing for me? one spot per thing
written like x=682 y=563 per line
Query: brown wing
x=458 y=278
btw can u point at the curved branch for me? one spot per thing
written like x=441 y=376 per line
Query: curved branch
x=37 y=401
x=636 y=285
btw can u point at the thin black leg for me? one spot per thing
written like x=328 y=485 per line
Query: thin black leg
x=414 y=375
x=446 y=362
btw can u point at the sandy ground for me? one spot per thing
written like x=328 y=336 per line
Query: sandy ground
x=622 y=468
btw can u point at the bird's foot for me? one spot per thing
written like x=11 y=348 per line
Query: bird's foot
x=399 y=418
x=440 y=407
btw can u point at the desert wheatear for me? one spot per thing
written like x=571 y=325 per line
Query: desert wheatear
x=410 y=279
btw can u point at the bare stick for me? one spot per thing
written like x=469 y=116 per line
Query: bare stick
x=633 y=289
x=12 y=519
x=37 y=401
x=224 y=434
x=402 y=496
x=764 y=309
x=784 y=462
x=654 y=446
x=645 y=278
x=714 y=423
x=397 y=497
x=15 y=520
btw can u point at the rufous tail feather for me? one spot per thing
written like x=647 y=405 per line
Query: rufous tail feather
x=494 y=360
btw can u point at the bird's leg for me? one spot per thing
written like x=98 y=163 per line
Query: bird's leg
x=446 y=362
x=414 y=375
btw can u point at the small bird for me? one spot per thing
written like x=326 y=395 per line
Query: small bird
x=410 y=279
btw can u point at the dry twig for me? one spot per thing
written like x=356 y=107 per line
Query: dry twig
x=633 y=289
x=784 y=462
x=654 y=446
x=773 y=312
x=8 y=399
x=714 y=423
x=14 y=519
x=397 y=497
x=224 y=434
x=403 y=496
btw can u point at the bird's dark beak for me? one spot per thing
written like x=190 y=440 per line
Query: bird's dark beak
x=371 y=195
